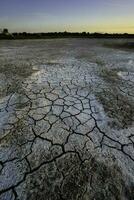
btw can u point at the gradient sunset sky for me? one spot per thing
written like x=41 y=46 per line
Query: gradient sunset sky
x=70 y=15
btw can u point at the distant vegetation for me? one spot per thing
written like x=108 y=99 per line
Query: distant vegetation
x=24 y=35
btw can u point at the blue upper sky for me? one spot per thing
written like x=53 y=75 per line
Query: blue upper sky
x=69 y=15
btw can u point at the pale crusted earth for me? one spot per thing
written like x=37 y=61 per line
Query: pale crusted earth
x=66 y=121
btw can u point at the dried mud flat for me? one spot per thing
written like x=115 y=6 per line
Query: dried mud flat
x=66 y=120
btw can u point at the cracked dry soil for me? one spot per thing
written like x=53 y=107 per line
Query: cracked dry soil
x=66 y=120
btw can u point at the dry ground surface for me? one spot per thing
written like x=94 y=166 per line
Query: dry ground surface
x=66 y=120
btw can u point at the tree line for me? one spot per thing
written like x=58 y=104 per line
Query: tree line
x=24 y=35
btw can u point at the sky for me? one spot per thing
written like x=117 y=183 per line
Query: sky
x=67 y=15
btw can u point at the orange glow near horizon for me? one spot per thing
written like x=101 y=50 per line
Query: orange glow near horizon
x=111 y=16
